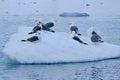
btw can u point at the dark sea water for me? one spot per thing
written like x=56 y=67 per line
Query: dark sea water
x=107 y=26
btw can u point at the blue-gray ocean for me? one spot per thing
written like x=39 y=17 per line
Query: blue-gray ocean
x=107 y=26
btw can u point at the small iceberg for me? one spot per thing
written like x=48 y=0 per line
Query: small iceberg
x=56 y=47
x=75 y=14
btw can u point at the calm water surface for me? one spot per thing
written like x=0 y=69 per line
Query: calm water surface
x=107 y=26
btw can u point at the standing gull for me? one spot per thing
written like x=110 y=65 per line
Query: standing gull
x=49 y=25
x=36 y=28
x=34 y=38
x=31 y=39
x=76 y=38
x=73 y=28
x=95 y=38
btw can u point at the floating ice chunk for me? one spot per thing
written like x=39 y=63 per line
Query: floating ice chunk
x=56 y=47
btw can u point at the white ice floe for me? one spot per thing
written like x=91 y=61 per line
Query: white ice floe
x=56 y=47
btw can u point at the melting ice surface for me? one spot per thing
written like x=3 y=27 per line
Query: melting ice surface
x=56 y=47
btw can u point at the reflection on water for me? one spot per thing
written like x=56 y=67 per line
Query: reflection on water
x=104 y=70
